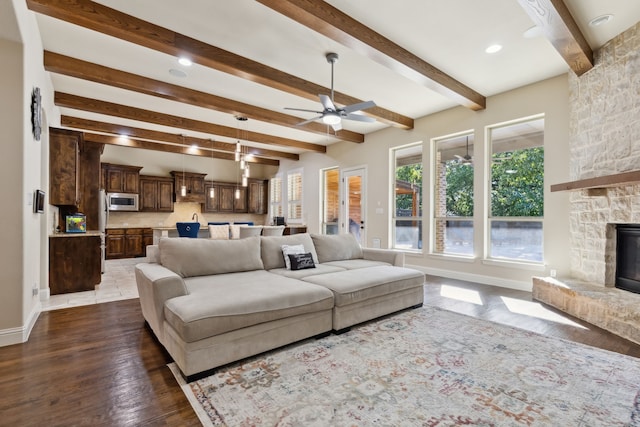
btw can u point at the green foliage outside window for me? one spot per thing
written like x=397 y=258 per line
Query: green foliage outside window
x=411 y=174
x=517 y=183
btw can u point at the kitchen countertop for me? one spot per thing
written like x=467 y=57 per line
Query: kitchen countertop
x=87 y=234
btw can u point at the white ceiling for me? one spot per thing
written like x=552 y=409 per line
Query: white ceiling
x=451 y=35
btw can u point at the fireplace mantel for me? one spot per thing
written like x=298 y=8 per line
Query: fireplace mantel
x=614 y=180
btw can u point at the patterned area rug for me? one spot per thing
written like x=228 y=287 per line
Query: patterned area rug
x=425 y=367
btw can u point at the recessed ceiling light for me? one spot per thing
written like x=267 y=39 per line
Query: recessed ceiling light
x=177 y=73
x=494 y=48
x=185 y=61
x=532 y=32
x=600 y=20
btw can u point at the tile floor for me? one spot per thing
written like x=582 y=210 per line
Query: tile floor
x=118 y=283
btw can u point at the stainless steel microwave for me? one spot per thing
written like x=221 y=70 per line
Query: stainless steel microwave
x=122 y=201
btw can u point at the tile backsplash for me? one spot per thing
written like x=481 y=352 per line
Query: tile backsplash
x=181 y=212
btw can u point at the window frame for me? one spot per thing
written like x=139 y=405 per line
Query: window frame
x=295 y=202
x=434 y=217
x=276 y=207
x=393 y=217
x=489 y=219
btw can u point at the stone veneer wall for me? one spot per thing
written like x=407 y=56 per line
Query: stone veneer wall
x=604 y=140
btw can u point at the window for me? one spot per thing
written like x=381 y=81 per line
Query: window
x=453 y=195
x=330 y=201
x=275 y=196
x=517 y=191
x=294 y=196
x=407 y=210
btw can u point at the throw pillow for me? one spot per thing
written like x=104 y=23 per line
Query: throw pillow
x=219 y=232
x=235 y=231
x=291 y=249
x=301 y=261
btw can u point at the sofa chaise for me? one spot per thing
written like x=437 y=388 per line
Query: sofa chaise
x=212 y=302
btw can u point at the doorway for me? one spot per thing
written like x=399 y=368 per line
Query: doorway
x=355 y=204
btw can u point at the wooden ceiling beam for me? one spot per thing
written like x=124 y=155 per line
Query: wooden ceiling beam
x=97 y=17
x=559 y=27
x=167 y=148
x=172 y=138
x=73 y=67
x=132 y=113
x=340 y=27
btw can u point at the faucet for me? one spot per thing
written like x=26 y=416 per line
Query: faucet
x=195 y=217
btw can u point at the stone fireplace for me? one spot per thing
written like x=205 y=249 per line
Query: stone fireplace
x=605 y=192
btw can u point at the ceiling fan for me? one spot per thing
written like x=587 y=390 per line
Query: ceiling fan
x=466 y=159
x=332 y=115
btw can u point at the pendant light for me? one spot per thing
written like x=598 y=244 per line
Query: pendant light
x=244 y=180
x=183 y=187
x=212 y=191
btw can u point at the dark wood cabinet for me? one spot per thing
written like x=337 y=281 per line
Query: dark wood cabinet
x=227 y=201
x=120 y=178
x=253 y=198
x=64 y=167
x=258 y=198
x=127 y=242
x=211 y=203
x=74 y=263
x=194 y=183
x=293 y=229
x=115 y=243
x=156 y=194
x=147 y=239
x=74 y=175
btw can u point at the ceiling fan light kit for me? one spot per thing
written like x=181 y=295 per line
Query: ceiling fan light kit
x=332 y=115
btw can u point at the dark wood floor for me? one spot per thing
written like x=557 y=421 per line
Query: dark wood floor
x=99 y=365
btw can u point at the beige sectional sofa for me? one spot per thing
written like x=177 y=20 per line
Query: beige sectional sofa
x=212 y=302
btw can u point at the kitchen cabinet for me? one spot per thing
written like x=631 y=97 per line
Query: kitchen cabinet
x=127 y=242
x=156 y=194
x=194 y=182
x=227 y=202
x=120 y=178
x=258 y=198
x=64 y=167
x=211 y=204
x=74 y=175
x=74 y=263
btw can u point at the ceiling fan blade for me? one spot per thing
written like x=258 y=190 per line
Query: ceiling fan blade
x=459 y=157
x=359 y=118
x=327 y=103
x=359 y=106
x=308 y=121
x=302 y=109
x=337 y=127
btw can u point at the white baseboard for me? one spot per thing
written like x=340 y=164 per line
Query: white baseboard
x=478 y=278
x=21 y=334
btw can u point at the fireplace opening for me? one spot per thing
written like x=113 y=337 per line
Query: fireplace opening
x=628 y=257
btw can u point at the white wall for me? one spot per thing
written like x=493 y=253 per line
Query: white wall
x=22 y=256
x=549 y=97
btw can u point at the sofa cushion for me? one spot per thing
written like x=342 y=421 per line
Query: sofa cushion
x=202 y=257
x=352 y=286
x=271 y=248
x=336 y=247
x=352 y=264
x=223 y=303
x=298 y=274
